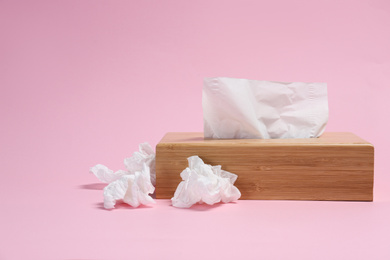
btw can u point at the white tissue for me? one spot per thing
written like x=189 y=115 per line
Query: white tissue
x=204 y=183
x=146 y=156
x=241 y=108
x=106 y=175
x=133 y=189
x=134 y=185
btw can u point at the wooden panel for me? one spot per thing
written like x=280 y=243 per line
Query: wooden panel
x=336 y=166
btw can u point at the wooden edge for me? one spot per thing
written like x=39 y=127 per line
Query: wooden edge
x=328 y=138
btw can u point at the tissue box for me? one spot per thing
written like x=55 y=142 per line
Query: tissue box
x=335 y=166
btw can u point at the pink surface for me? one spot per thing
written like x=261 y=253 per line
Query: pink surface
x=84 y=82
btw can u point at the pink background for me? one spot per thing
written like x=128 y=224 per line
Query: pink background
x=84 y=82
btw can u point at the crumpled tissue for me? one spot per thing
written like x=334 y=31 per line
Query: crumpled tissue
x=203 y=183
x=241 y=108
x=133 y=185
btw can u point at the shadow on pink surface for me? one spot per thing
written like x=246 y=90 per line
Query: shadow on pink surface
x=203 y=207
x=93 y=186
x=121 y=205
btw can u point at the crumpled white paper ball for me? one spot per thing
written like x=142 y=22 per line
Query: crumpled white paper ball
x=203 y=183
x=133 y=189
x=134 y=185
x=106 y=175
x=146 y=156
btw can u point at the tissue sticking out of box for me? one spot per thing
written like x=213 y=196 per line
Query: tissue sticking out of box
x=203 y=183
x=133 y=185
x=251 y=109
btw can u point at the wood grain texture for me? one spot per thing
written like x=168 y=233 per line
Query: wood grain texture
x=335 y=166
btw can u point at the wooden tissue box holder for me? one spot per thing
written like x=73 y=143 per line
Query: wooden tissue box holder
x=335 y=166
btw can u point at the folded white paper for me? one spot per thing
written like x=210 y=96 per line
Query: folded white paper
x=203 y=183
x=241 y=108
x=134 y=185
